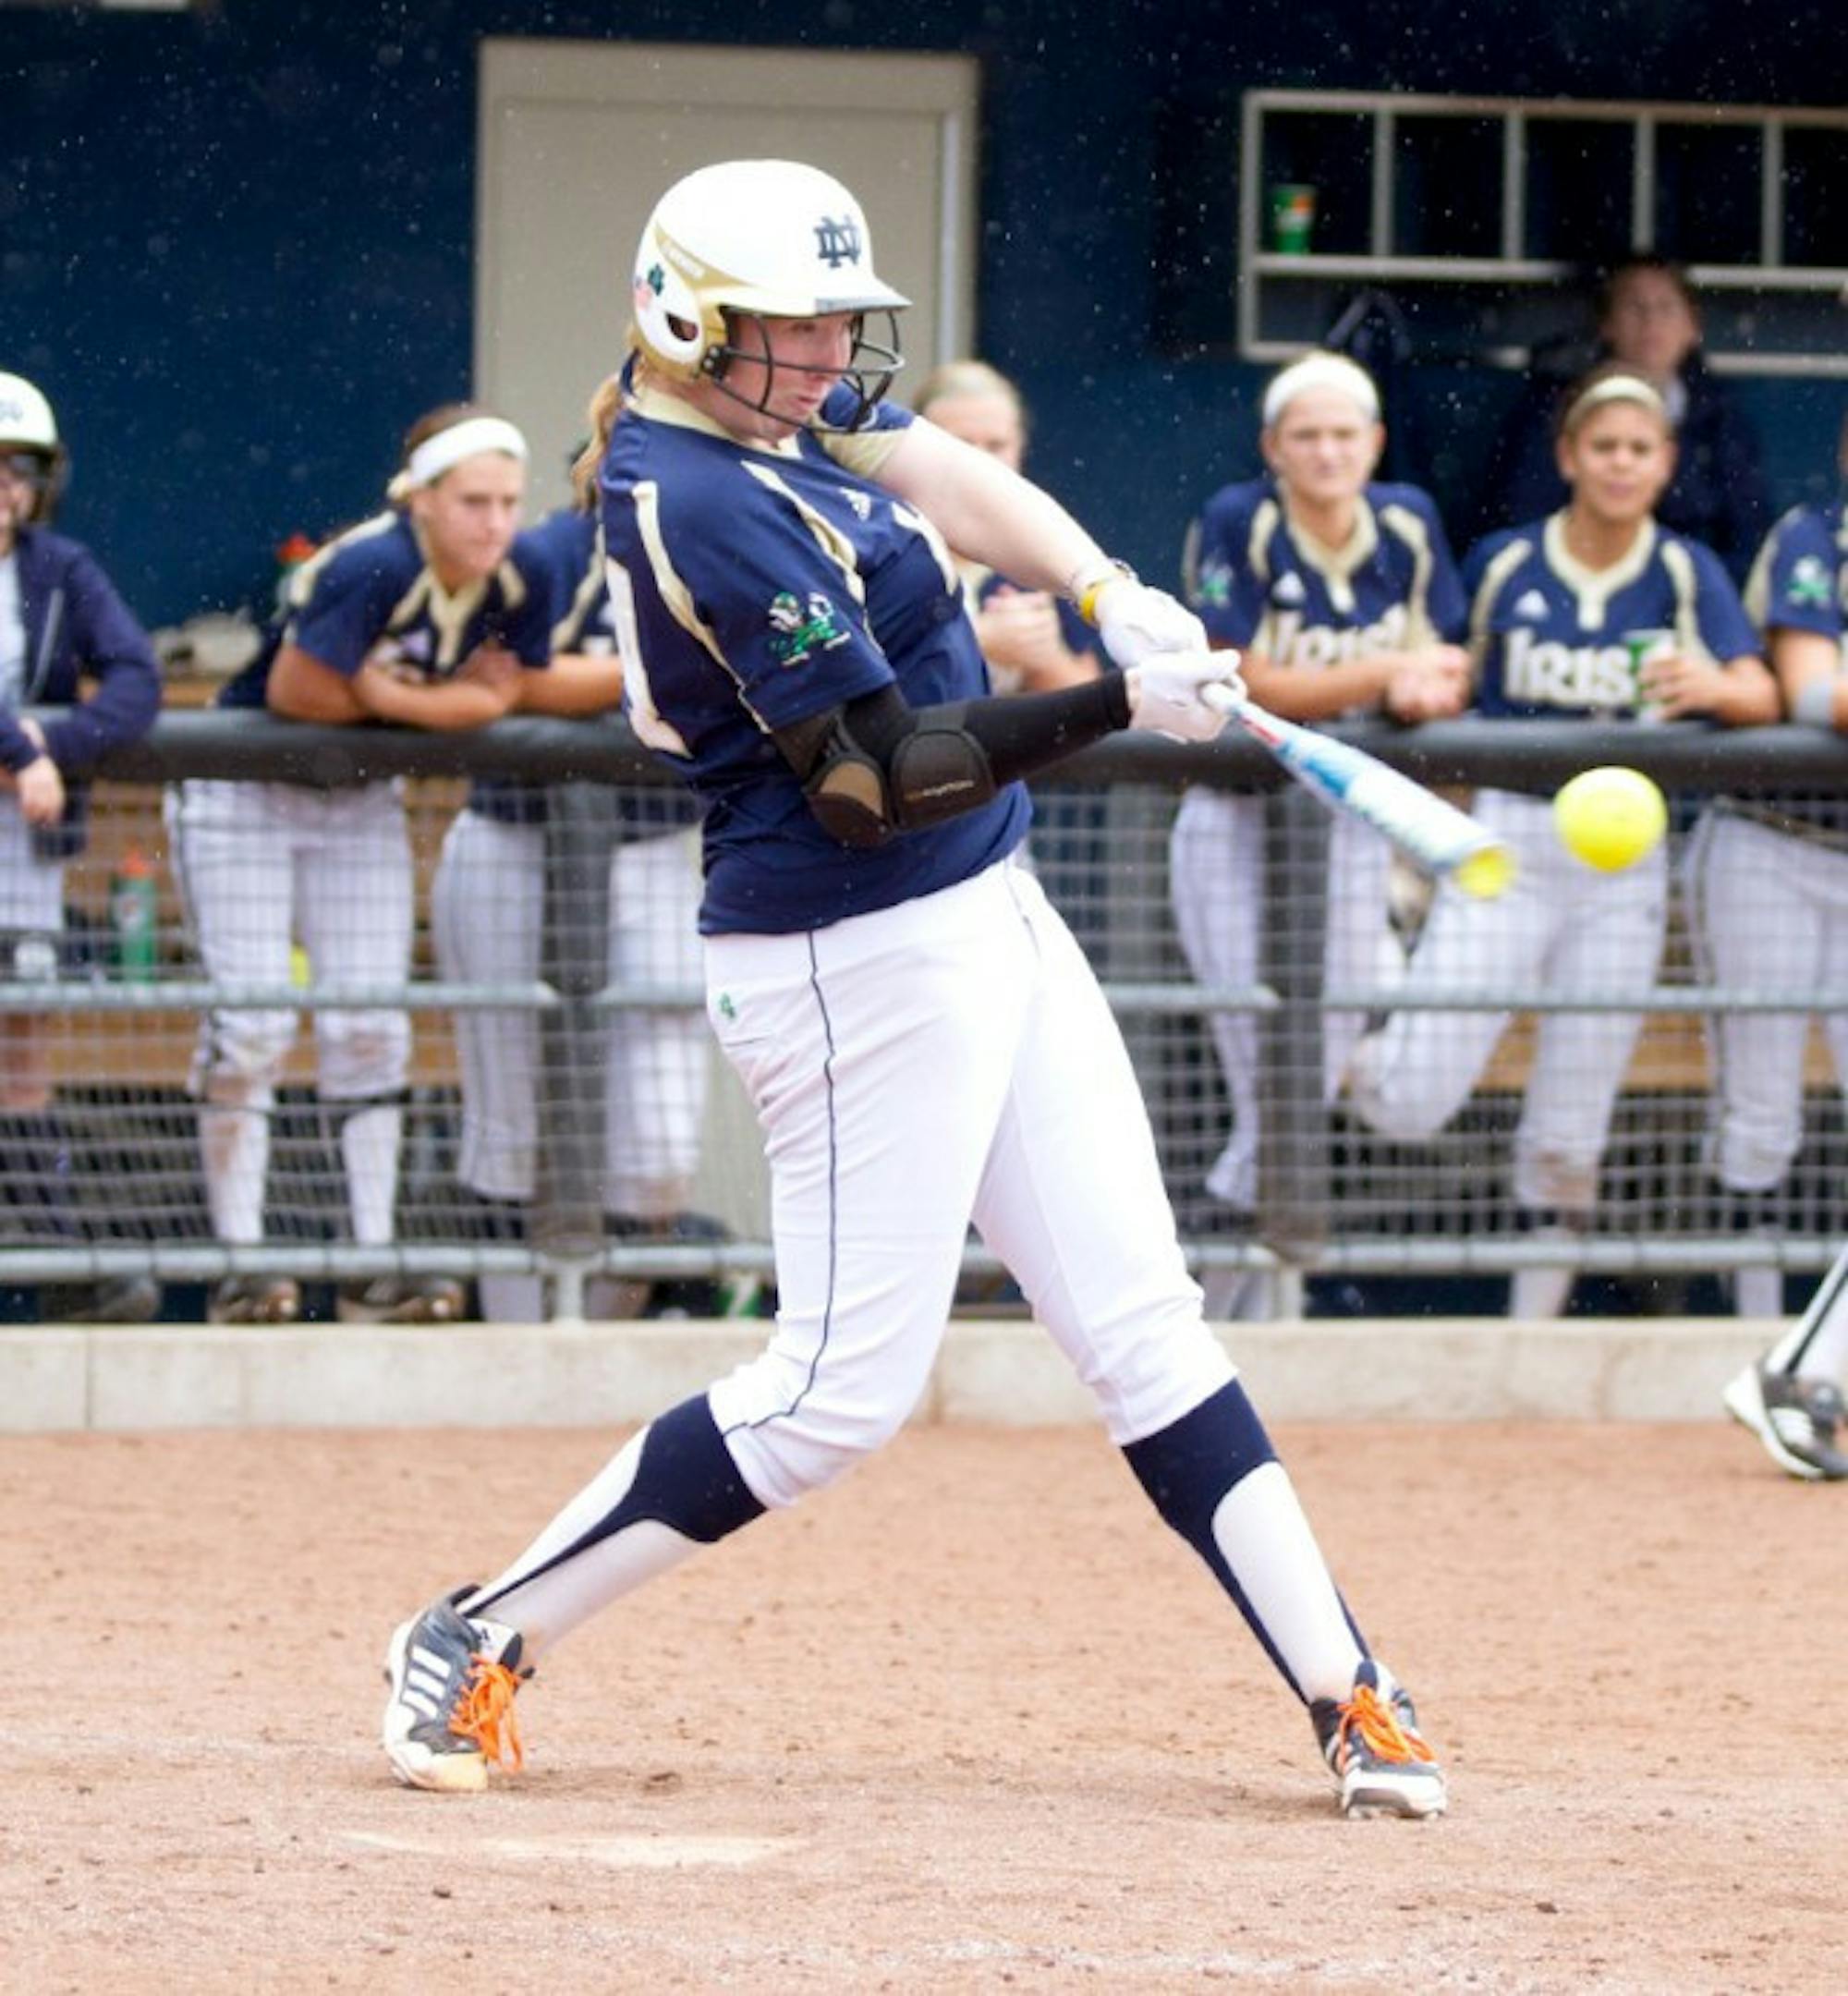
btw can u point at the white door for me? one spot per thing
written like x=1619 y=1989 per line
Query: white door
x=579 y=138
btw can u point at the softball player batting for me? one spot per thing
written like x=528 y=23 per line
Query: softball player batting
x=486 y=906
x=421 y=616
x=1343 y=597
x=60 y=619
x=1768 y=883
x=1550 y=603
x=924 y=1042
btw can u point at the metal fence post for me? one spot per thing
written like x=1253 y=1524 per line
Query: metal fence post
x=1293 y=1162
x=568 y=1215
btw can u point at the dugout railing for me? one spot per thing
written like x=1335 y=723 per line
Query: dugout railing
x=1332 y=1197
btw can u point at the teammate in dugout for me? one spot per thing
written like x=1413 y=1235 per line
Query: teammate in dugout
x=60 y=620
x=486 y=905
x=924 y=1042
x=1769 y=887
x=1550 y=604
x=419 y=615
x=1341 y=595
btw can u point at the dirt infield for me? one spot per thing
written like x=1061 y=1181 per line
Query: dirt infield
x=974 y=1721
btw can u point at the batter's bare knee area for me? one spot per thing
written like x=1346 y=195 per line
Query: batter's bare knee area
x=972 y=1720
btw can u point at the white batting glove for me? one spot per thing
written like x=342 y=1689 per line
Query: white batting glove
x=1186 y=696
x=1138 y=623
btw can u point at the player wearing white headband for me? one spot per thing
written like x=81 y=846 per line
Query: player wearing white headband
x=419 y=615
x=925 y=1043
x=1341 y=595
x=1550 y=604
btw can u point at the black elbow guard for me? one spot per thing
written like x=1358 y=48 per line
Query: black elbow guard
x=848 y=795
x=939 y=771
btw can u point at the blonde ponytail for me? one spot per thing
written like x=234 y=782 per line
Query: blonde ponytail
x=605 y=406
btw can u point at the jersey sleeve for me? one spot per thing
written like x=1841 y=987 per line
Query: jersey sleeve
x=1726 y=629
x=343 y=602
x=1793 y=583
x=1219 y=575
x=769 y=588
x=863 y=450
x=1446 y=604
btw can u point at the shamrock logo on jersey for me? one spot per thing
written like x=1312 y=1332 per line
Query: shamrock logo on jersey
x=1808 y=584
x=1212 y=586
x=799 y=629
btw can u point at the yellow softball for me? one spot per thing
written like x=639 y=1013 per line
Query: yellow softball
x=1610 y=817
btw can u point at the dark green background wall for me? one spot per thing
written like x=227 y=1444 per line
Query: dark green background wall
x=235 y=244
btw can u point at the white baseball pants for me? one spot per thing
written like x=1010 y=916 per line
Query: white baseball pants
x=1562 y=927
x=1770 y=913
x=487 y=904
x=948 y=1060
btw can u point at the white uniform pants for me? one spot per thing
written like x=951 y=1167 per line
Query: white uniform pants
x=487 y=904
x=948 y=1060
x=265 y=865
x=1562 y=927
x=1216 y=867
x=1770 y=913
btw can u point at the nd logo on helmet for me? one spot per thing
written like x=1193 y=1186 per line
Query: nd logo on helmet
x=837 y=242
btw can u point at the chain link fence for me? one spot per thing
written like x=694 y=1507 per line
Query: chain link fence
x=518 y=996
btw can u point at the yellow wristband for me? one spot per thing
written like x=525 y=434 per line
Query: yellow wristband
x=1088 y=585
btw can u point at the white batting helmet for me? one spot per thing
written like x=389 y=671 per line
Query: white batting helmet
x=27 y=425
x=758 y=236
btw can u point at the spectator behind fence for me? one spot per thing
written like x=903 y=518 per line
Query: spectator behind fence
x=60 y=619
x=1768 y=885
x=419 y=615
x=488 y=904
x=1550 y=604
x=1034 y=642
x=1343 y=596
x=1648 y=318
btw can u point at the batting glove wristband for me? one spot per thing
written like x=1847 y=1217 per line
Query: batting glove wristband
x=1186 y=696
x=1135 y=621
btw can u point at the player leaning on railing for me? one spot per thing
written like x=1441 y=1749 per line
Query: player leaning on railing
x=925 y=1043
x=60 y=618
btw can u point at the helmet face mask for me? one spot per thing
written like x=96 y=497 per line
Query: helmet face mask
x=30 y=447
x=757 y=240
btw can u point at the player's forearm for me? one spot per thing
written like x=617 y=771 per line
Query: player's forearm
x=1316 y=692
x=988 y=513
x=450 y=706
x=1748 y=695
x=575 y=684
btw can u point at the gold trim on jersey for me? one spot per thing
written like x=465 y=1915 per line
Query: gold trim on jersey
x=832 y=543
x=1594 y=586
x=677 y=597
x=1681 y=572
x=1413 y=530
x=1336 y=565
x=302 y=579
x=590 y=585
x=1494 y=580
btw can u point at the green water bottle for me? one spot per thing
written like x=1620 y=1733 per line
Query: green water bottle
x=134 y=915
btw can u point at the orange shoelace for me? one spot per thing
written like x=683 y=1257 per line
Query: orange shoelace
x=485 y=1714
x=1369 y=1715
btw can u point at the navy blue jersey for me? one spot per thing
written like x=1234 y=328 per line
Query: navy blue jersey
x=1260 y=585
x=1800 y=579
x=756 y=587
x=370 y=594
x=1548 y=632
x=562 y=557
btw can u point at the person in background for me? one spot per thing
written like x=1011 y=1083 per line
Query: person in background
x=1034 y=640
x=487 y=904
x=1768 y=890
x=61 y=620
x=1343 y=599
x=1551 y=601
x=419 y=615
x=1648 y=318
